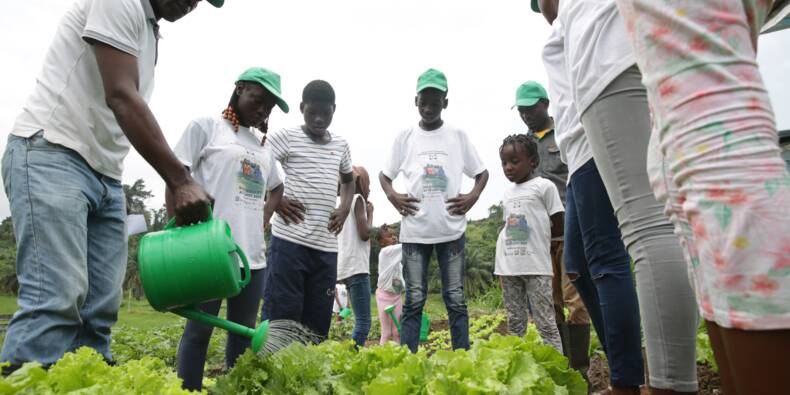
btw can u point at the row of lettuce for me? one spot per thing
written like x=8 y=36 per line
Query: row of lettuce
x=498 y=365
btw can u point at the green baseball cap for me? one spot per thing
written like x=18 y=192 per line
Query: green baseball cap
x=535 y=6
x=432 y=78
x=269 y=80
x=529 y=93
x=216 y=3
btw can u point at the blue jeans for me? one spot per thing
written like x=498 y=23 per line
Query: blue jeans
x=595 y=253
x=70 y=227
x=358 y=287
x=415 y=272
x=192 y=350
x=300 y=285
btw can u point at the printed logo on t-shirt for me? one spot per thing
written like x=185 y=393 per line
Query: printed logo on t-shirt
x=517 y=229
x=250 y=182
x=434 y=178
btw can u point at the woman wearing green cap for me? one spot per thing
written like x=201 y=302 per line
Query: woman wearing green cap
x=225 y=154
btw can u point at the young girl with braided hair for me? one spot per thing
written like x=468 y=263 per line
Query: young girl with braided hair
x=533 y=214
x=226 y=155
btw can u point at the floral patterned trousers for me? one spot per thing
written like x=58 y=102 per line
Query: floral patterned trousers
x=714 y=157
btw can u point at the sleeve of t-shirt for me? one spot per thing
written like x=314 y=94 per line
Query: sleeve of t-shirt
x=273 y=179
x=278 y=142
x=190 y=147
x=345 y=161
x=472 y=163
x=394 y=161
x=551 y=198
x=117 y=23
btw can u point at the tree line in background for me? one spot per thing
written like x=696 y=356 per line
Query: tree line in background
x=481 y=236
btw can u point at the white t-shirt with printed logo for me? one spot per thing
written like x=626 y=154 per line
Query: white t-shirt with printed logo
x=237 y=172
x=433 y=163
x=68 y=102
x=523 y=244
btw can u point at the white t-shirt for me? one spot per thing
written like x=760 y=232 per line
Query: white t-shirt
x=312 y=171
x=597 y=49
x=432 y=163
x=237 y=172
x=568 y=130
x=342 y=295
x=68 y=102
x=353 y=254
x=523 y=244
x=391 y=269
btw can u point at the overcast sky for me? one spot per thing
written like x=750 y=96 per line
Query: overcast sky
x=370 y=51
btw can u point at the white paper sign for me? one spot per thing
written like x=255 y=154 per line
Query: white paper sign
x=135 y=223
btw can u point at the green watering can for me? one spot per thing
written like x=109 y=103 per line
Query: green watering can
x=425 y=327
x=181 y=267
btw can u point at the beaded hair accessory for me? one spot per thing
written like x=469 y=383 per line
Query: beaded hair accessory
x=231 y=116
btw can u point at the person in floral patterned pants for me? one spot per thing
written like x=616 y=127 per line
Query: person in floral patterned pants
x=715 y=162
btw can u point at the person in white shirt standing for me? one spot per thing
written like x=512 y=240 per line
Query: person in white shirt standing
x=433 y=157
x=353 y=255
x=62 y=173
x=225 y=154
x=533 y=214
x=596 y=259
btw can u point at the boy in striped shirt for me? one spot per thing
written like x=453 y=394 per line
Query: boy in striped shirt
x=300 y=280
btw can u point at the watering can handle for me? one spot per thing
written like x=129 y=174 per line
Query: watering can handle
x=172 y=222
x=246 y=280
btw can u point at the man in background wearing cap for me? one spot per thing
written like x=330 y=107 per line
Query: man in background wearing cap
x=226 y=156
x=433 y=156
x=533 y=105
x=62 y=173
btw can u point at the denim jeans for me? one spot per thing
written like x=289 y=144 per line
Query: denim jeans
x=192 y=350
x=70 y=227
x=415 y=272
x=300 y=285
x=595 y=253
x=358 y=287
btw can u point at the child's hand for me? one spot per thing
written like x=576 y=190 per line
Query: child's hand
x=337 y=219
x=462 y=203
x=291 y=211
x=404 y=203
x=369 y=208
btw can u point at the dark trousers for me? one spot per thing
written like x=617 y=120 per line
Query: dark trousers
x=595 y=253
x=415 y=272
x=242 y=309
x=300 y=285
x=358 y=287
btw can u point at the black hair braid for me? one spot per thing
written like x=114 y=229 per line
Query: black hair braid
x=525 y=142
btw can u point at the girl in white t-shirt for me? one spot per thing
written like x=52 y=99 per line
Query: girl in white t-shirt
x=353 y=255
x=533 y=214
x=390 y=283
x=225 y=154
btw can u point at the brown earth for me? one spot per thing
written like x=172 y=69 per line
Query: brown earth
x=709 y=382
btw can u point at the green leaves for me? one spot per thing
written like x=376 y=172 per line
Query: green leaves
x=85 y=372
x=499 y=365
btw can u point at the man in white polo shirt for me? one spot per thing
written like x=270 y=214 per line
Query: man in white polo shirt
x=62 y=174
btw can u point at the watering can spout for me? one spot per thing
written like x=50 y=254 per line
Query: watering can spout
x=258 y=334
